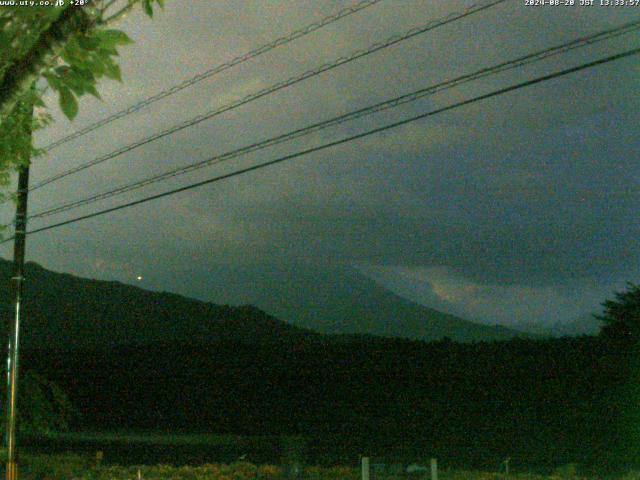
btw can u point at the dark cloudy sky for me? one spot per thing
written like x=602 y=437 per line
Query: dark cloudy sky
x=520 y=208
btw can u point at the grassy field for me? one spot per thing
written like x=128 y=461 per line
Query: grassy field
x=134 y=448
x=154 y=438
x=70 y=467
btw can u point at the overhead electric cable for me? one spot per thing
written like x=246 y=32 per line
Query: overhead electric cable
x=273 y=88
x=378 y=107
x=390 y=126
x=312 y=27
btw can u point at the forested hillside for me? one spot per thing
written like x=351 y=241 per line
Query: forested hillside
x=539 y=402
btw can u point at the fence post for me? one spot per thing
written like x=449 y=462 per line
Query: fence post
x=366 y=468
x=434 y=469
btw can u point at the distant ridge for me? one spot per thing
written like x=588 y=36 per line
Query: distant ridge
x=339 y=299
x=584 y=325
x=62 y=310
x=66 y=311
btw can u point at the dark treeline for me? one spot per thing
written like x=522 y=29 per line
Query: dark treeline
x=541 y=402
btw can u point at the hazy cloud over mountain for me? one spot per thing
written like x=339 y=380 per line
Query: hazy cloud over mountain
x=523 y=206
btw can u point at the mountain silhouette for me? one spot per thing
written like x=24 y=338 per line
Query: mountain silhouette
x=65 y=311
x=339 y=299
x=62 y=310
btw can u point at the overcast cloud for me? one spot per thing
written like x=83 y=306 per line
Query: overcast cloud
x=519 y=207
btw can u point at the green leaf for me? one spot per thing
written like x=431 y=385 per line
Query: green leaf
x=111 y=51
x=92 y=91
x=75 y=78
x=83 y=73
x=73 y=54
x=68 y=103
x=62 y=71
x=110 y=38
x=38 y=102
x=4 y=38
x=89 y=43
x=146 y=6
x=53 y=81
x=68 y=57
x=98 y=67
x=112 y=71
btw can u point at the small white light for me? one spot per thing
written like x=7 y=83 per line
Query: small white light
x=139 y=277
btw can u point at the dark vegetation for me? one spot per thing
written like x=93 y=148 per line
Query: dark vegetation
x=542 y=402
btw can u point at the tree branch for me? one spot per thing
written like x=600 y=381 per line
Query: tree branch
x=120 y=13
x=20 y=76
x=108 y=5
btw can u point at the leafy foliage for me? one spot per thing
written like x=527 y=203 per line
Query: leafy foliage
x=54 y=467
x=87 y=59
x=20 y=29
x=73 y=70
x=43 y=406
x=16 y=147
x=621 y=316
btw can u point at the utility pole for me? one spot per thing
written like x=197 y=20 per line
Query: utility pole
x=17 y=283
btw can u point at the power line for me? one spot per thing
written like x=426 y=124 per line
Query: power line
x=403 y=99
x=501 y=91
x=215 y=70
x=274 y=88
